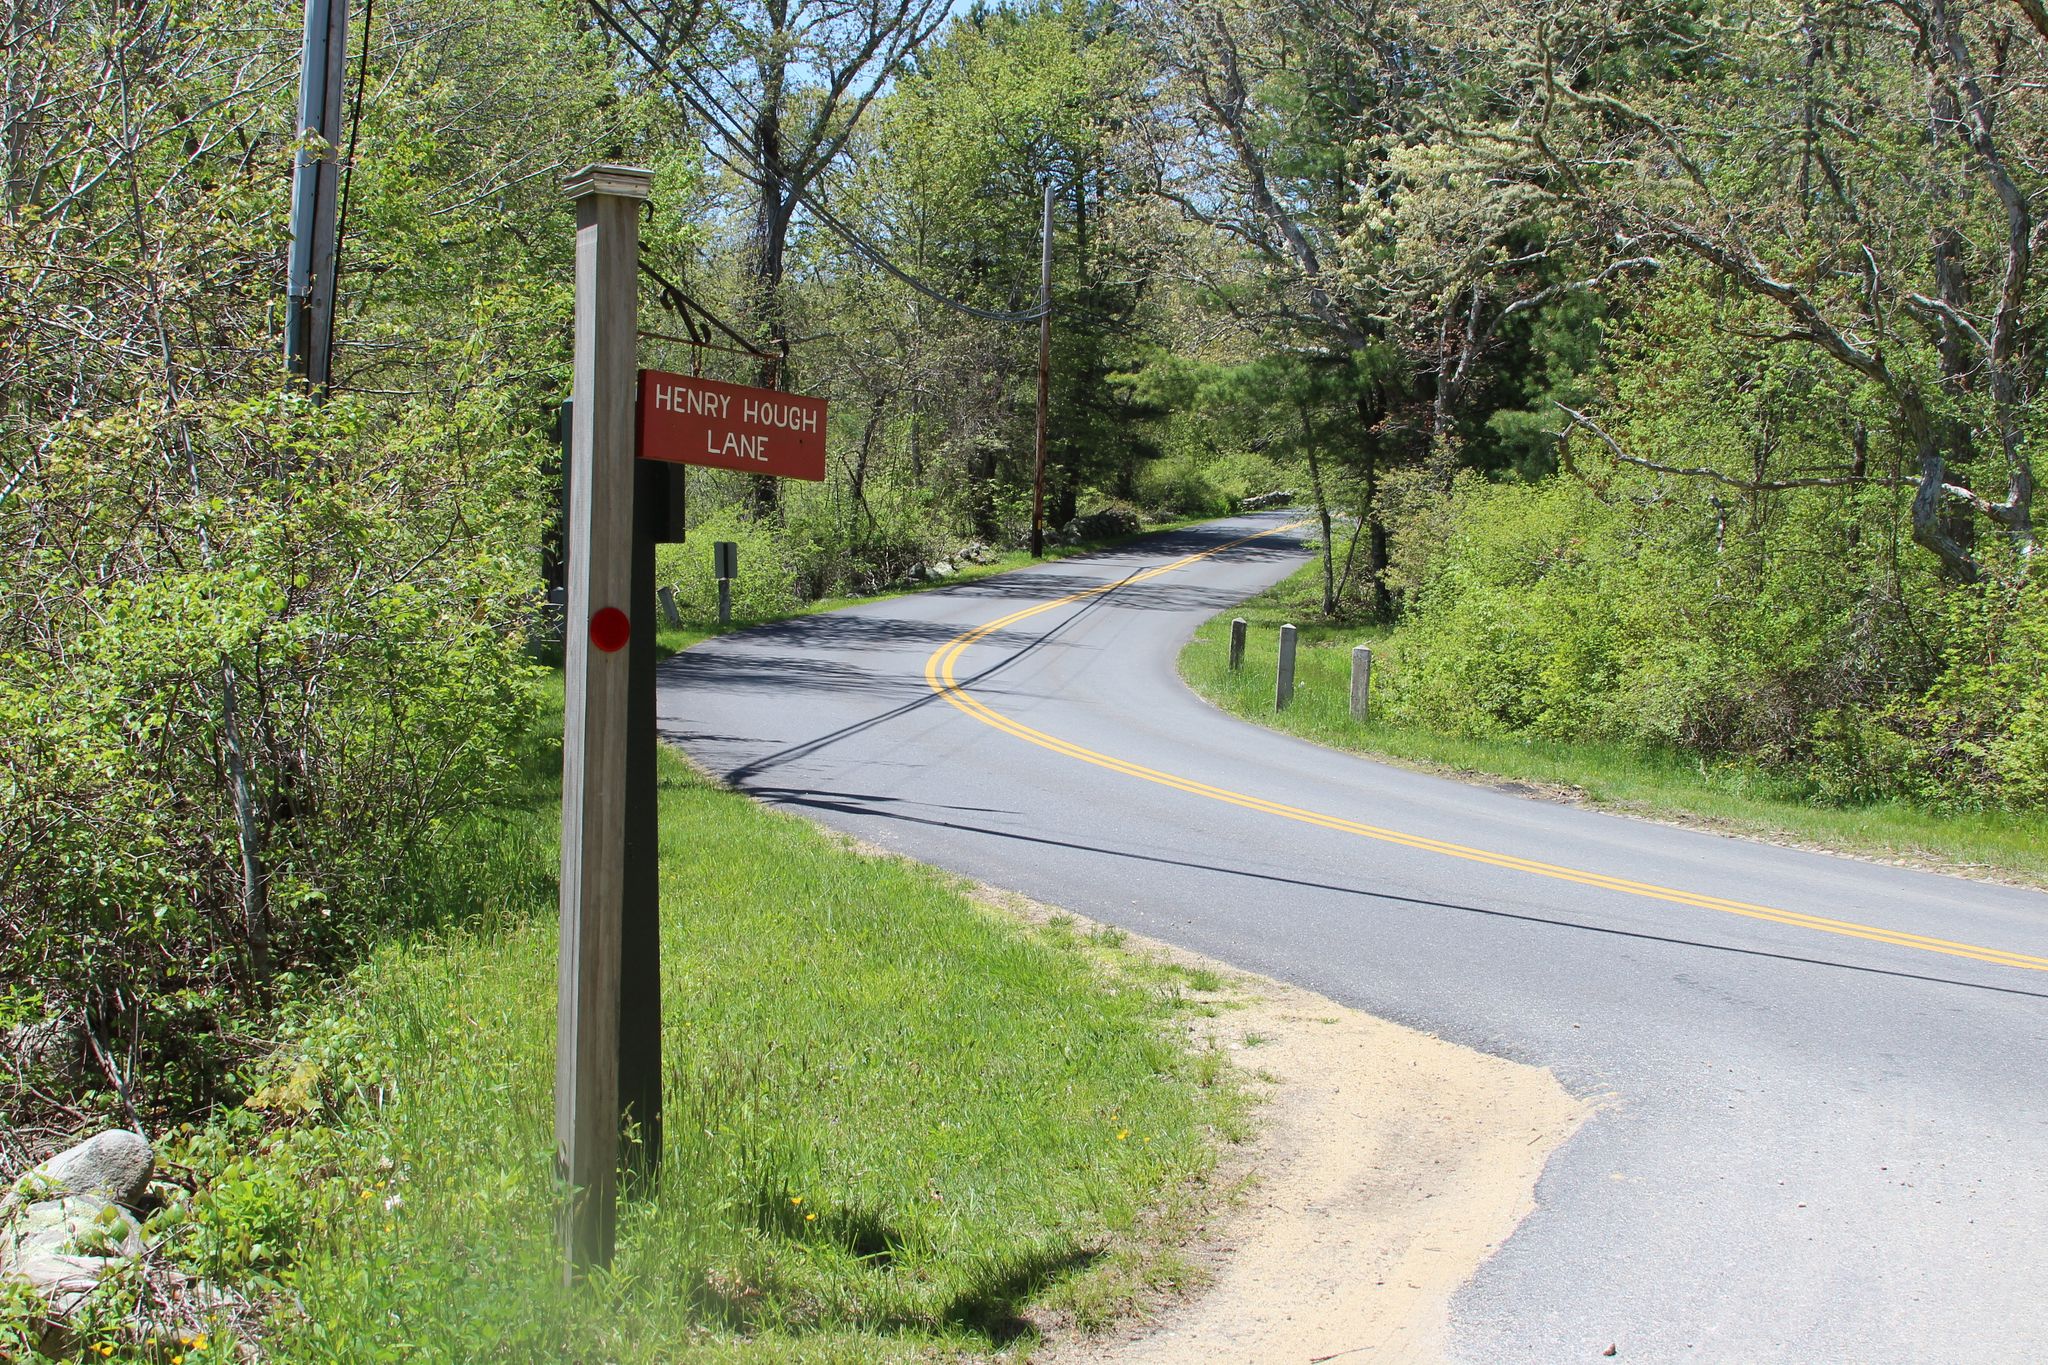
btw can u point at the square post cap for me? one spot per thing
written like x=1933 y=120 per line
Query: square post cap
x=628 y=182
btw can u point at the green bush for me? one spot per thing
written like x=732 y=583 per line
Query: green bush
x=1550 y=611
x=849 y=548
x=768 y=573
x=1183 y=485
x=289 y=691
x=1979 y=736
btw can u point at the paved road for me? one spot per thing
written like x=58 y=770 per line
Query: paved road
x=1818 y=1141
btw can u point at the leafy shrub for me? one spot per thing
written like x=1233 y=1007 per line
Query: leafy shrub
x=768 y=579
x=1183 y=485
x=219 y=751
x=1979 y=736
x=1548 y=610
x=848 y=547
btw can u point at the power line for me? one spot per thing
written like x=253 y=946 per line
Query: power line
x=714 y=114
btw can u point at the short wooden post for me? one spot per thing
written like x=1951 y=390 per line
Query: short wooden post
x=1361 y=682
x=600 y=533
x=1283 y=681
x=725 y=567
x=668 y=606
x=1237 y=629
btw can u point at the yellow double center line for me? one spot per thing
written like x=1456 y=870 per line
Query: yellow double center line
x=939 y=673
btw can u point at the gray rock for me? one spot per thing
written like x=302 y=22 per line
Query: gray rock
x=54 y=1046
x=942 y=570
x=62 y=1247
x=115 y=1165
x=1104 y=523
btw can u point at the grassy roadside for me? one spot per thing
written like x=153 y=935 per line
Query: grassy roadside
x=1659 y=786
x=900 y=1124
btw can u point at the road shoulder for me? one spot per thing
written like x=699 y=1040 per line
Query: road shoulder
x=1387 y=1167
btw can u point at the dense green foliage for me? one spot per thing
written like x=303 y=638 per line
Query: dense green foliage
x=1677 y=365
x=254 y=651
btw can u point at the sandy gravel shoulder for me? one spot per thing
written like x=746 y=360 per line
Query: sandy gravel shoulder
x=1388 y=1166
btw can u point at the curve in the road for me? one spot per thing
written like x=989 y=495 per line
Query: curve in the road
x=1809 y=1147
x=940 y=676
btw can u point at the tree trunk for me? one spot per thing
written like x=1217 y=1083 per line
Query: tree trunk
x=1375 y=529
x=772 y=212
x=248 y=837
x=1315 y=480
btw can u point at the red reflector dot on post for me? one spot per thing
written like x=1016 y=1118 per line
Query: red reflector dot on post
x=609 y=630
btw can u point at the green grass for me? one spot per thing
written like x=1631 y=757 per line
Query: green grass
x=899 y=1124
x=1675 y=786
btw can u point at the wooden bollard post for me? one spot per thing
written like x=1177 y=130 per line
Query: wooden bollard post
x=1283 y=681
x=1361 y=682
x=725 y=567
x=1237 y=629
x=600 y=530
x=667 y=595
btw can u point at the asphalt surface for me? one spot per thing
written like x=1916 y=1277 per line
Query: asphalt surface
x=1811 y=1145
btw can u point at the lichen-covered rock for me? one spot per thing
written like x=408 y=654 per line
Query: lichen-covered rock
x=63 y=1225
x=74 y=1225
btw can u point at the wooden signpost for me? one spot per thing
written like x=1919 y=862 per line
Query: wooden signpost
x=595 y=716
x=627 y=431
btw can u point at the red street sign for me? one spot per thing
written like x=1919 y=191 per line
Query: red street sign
x=687 y=420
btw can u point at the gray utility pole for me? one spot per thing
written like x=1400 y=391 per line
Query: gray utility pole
x=316 y=179
x=605 y=612
x=1044 y=373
